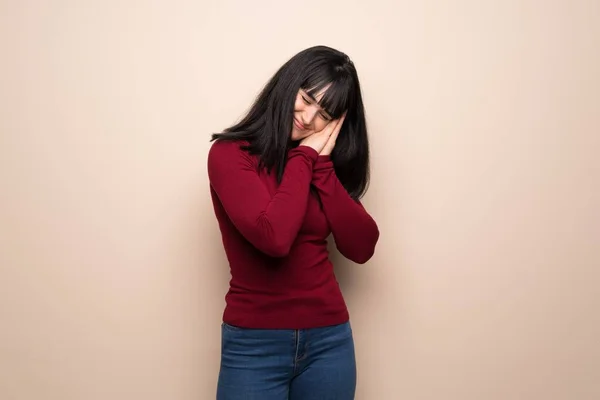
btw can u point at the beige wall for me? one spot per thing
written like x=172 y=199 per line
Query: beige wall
x=484 y=120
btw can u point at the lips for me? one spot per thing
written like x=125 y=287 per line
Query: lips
x=298 y=125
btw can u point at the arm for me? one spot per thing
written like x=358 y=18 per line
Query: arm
x=270 y=222
x=354 y=230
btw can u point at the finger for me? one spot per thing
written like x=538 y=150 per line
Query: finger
x=338 y=126
x=329 y=128
x=335 y=126
x=342 y=119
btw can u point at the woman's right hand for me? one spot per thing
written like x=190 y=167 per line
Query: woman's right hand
x=318 y=140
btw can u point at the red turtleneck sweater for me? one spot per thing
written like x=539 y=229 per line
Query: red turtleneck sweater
x=275 y=237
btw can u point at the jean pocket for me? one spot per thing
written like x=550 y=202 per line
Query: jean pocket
x=231 y=328
x=340 y=331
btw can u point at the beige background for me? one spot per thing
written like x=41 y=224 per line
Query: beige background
x=484 y=119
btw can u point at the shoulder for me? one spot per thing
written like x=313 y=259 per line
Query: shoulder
x=228 y=153
x=222 y=146
x=227 y=149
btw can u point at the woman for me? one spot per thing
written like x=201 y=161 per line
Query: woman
x=282 y=180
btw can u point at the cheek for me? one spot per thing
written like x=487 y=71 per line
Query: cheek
x=320 y=124
x=298 y=105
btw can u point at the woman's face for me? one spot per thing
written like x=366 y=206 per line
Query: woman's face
x=309 y=117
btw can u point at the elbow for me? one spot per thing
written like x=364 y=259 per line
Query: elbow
x=362 y=257
x=277 y=252
x=359 y=255
x=276 y=249
x=363 y=253
x=274 y=243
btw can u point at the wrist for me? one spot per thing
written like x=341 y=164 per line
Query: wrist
x=323 y=163
x=310 y=152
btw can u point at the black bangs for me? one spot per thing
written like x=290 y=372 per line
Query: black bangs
x=338 y=95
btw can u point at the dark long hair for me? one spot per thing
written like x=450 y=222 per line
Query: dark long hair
x=268 y=124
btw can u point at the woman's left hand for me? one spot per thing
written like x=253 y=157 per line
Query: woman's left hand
x=336 y=131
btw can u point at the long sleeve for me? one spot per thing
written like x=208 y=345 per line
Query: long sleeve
x=355 y=232
x=270 y=222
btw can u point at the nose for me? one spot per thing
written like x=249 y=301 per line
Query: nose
x=308 y=115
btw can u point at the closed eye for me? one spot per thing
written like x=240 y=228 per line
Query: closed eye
x=323 y=114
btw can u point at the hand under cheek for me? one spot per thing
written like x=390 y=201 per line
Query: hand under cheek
x=296 y=136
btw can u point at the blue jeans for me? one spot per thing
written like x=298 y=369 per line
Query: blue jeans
x=287 y=364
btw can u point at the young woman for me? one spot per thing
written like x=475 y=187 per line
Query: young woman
x=282 y=180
